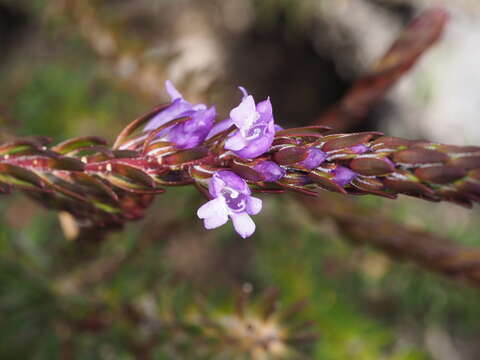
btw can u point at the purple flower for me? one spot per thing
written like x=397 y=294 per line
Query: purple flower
x=230 y=198
x=190 y=133
x=360 y=149
x=314 y=158
x=270 y=170
x=256 y=128
x=343 y=175
x=219 y=127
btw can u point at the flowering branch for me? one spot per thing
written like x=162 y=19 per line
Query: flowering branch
x=180 y=144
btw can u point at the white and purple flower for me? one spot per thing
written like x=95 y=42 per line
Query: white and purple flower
x=231 y=197
x=188 y=134
x=256 y=128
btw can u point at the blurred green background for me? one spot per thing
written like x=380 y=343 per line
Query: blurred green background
x=71 y=68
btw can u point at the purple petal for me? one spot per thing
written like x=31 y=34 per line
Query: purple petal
x=265 y=110
x=270 y=170
x=172 y=91
x=225 y=178
x=360 y=149
x=343 y=175
x=216 y=185
x=258 y=146
x=234 y=181
x=193 y=132
x=255 y=148
x=314 y=158
x=244 y=91
x=254 y=205
x=243 y=224
x=219 y=127
x=177 y=109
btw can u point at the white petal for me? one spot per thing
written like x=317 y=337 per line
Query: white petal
x=244 y=114
x=254 y=206
x=214 y=213
x=199 y=107
x=215 y=221
x=235 y=142
x=243 y=224
x=210 y=208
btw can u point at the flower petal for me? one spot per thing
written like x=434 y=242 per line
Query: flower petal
x=254 y=205
x=214 y=213
x=211 y=208
x=278 y=128
x=176 y=110
x=219 y=127
x=244 y=114
x=270 y=170
x=314 y=158
x=343 y=175
x=189 y=134
x=215 y=221
x=198 y=107
x=244 y=91
x=256 y=147
x=235 y=142
x=231 y=180
x=243 y=224
x=172 y=91
x=265 y=109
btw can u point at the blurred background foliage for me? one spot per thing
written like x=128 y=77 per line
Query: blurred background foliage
x=166 y=289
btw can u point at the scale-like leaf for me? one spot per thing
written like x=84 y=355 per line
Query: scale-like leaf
x=136 y=124
x=290 y=155
x=65 y=163
x=25 y=146
x=130 y=178
x=94 y=185
x=182 y=157
x=78 y=143
x=23 y=178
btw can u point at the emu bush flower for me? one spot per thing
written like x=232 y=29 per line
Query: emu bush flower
x=231 y=198
x=343 y=175
x=188 y=134
x=314 y=158
x=270 y=170
x=256 y=128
